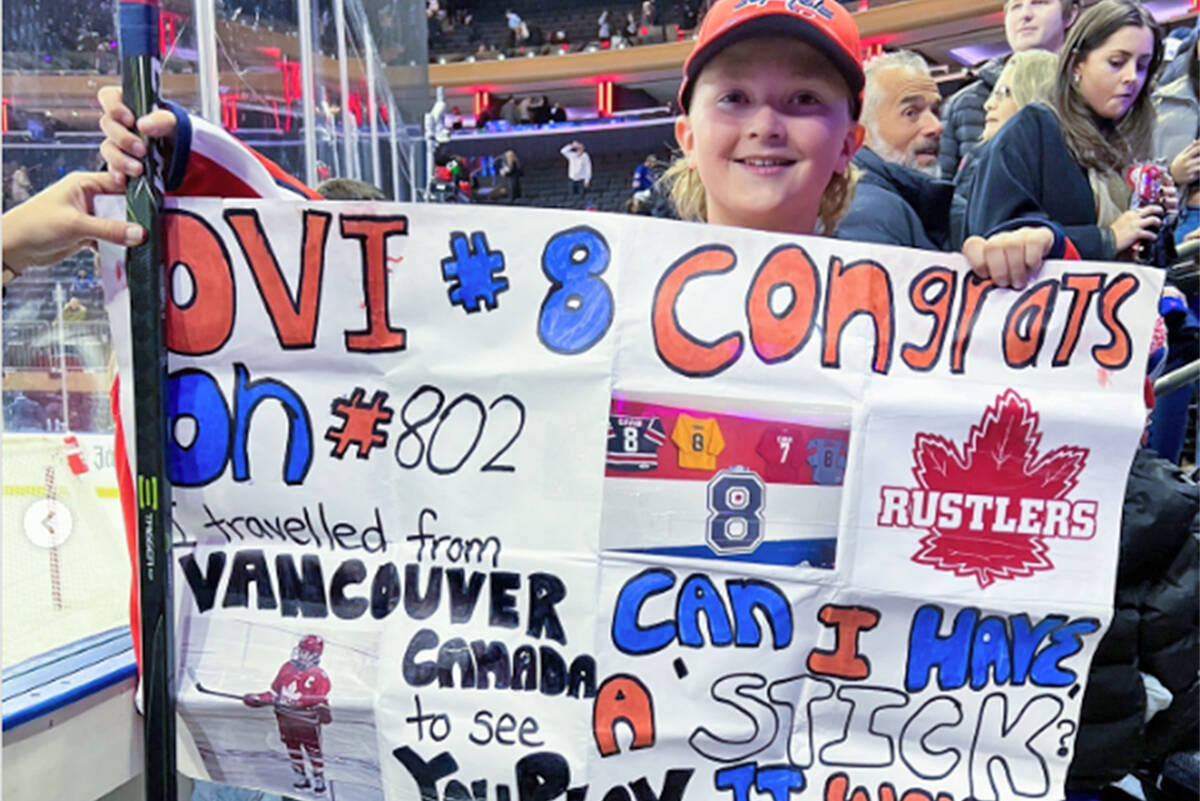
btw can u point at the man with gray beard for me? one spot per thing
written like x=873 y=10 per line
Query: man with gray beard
x=899 y=199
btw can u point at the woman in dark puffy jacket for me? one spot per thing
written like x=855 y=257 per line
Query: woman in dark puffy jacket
x=1150 y=653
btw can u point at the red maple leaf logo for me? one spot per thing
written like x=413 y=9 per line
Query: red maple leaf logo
x=1000 y=458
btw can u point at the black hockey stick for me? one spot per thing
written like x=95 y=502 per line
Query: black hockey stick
x=138 y=34
x=201 y=688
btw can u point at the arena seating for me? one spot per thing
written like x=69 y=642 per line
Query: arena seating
x=578 y=20
x=545 y=184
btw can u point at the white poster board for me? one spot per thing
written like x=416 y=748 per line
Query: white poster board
x=587 y=506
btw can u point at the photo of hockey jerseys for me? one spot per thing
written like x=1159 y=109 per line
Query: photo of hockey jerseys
x=803 y=454
x=751 y=485
x=800 y=451
x=633 y=442
x=699 y=441
x=782 y=449
x=827 y=457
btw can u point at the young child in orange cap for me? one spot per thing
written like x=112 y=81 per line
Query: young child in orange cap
x=771 y=97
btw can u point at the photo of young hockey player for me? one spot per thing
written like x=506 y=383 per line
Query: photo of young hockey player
x=300 y=696
x=234 y=681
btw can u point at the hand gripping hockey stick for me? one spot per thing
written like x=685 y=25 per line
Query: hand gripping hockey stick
x=138 y=34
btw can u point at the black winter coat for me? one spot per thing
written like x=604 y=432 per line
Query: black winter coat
x=963 y=118
x=1027 y=171
x=894 y=205
x=1154 y=631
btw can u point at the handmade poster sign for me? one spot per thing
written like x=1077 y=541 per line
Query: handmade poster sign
x=530 y=505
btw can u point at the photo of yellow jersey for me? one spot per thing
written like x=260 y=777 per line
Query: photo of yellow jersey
x=699 y=441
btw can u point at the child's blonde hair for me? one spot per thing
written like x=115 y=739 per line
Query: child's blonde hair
x=1030 y=76
x=683 y=184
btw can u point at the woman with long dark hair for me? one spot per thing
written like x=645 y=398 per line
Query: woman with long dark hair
x=1065 y=162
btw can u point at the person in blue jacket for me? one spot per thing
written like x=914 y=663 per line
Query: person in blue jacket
x=899 y=199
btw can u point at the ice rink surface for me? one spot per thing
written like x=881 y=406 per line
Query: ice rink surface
x=65 y=563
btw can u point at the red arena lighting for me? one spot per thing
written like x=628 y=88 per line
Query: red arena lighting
x=604 y=98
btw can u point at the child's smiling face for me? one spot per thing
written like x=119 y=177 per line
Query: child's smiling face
x=768 y=124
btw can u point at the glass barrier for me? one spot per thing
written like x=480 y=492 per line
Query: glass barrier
x=66 y=573
x=259 y=74
x=331 y=134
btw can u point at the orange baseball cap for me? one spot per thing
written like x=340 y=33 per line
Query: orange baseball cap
x=824 y=24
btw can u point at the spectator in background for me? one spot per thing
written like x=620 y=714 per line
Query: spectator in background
x=558 y=113
x=631 y=27
x=75 y=311
x=513 y=20
x=1177 y=135
x=579 y=167
x=1177 y=143
x=485 y=51
x=1182 y=40
x=539 y=110
x=514 y=110
x=83 y=283
x=510 y=170
x=1028 y=77
x=1028 y=25
x=21 y=187
x=474 y=40
x=24 y=414
x=434 y=34
x=643 y=179
x=900 y=111
x=1067 y=164
x=898 y=200
x=604 y=30
x=643 y=176
x=1169 y=420
x=53 y=414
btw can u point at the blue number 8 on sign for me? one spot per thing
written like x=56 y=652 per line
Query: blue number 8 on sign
x=579 y=307
x=736 y=498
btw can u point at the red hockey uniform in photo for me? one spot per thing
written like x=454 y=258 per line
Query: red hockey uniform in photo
x=300 y=695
